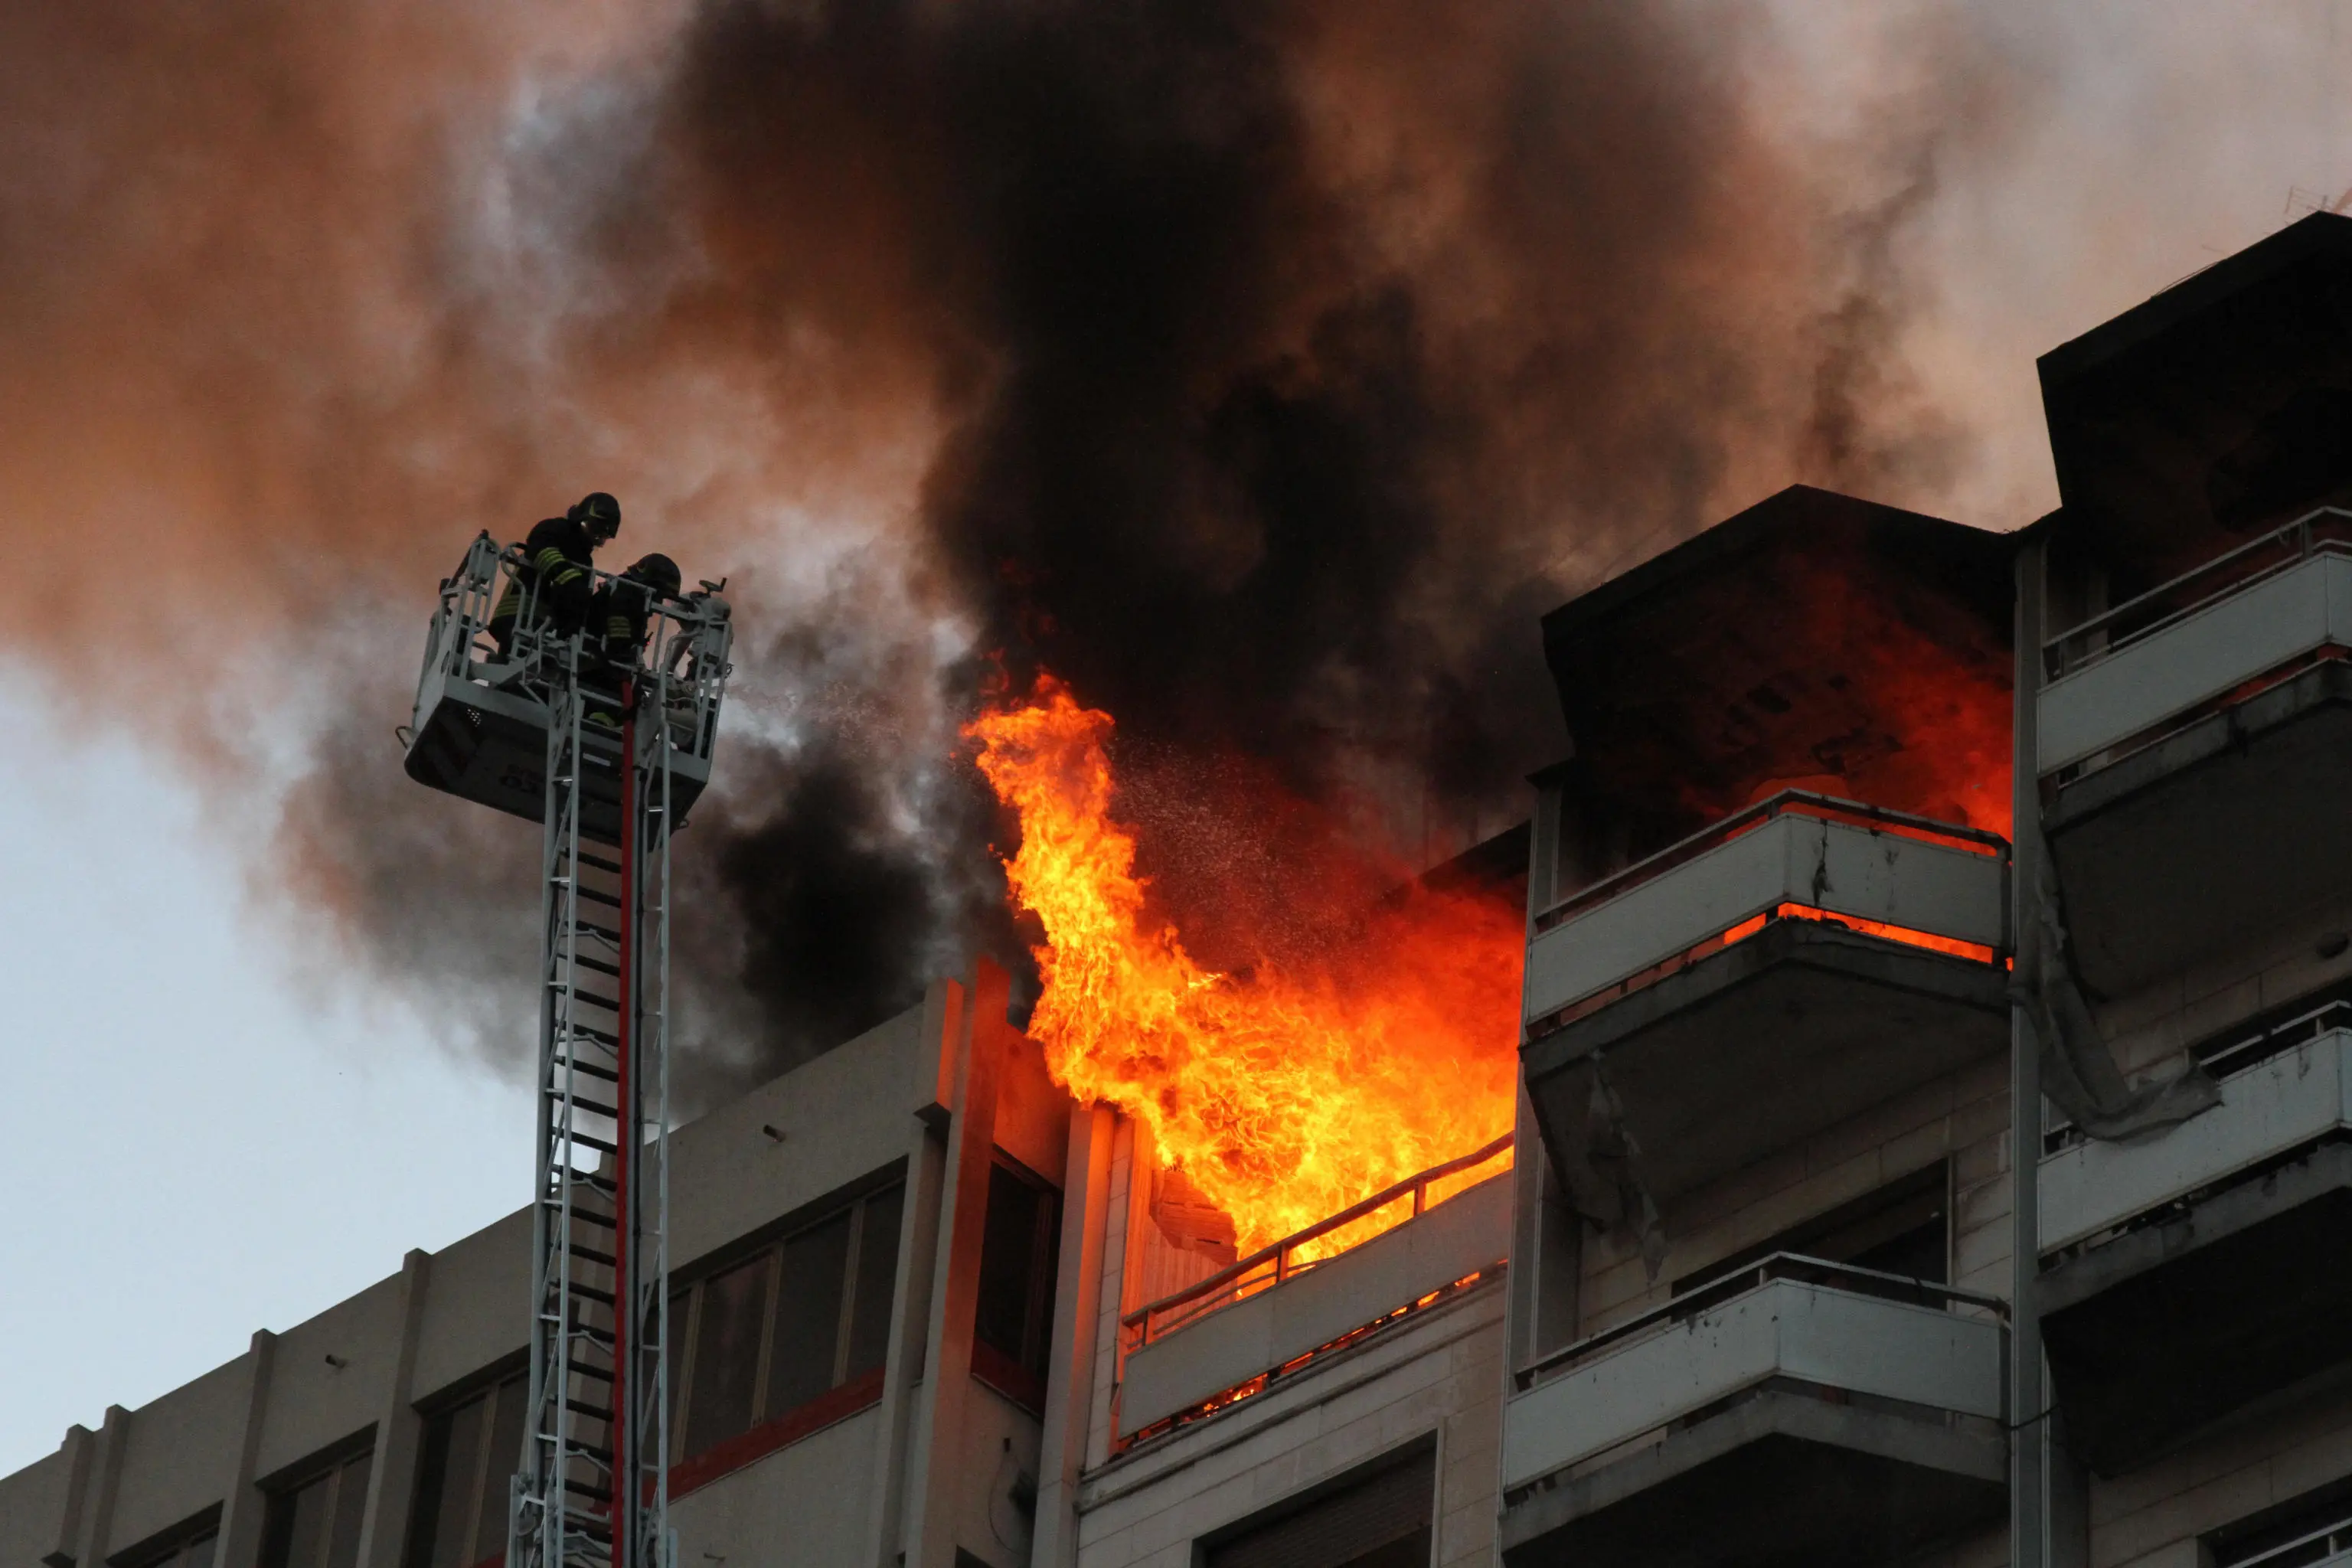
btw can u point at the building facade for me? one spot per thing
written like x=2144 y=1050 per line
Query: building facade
x=1933 y=1142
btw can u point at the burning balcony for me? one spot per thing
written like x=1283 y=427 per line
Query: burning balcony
x=1795 y=1412
x=1793 y=965
x=1268 y=1316
x=2218 y=1253
x=2195 y=751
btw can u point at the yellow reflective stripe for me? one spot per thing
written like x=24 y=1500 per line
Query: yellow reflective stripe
x=571 y=574
x=550 y=558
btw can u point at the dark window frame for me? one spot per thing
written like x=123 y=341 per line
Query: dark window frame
x=337 y=1468
x=1930 y=1183
x=767 y=1430
x=1416 y=1459
x=1019 y=1373
x=172 y=1548
x=490 y=1389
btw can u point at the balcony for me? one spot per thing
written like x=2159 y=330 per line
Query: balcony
x=1789 y=967
x=1268 y=1316
x=2220 y=1252
x=2195 y=749
x=1795 y=1412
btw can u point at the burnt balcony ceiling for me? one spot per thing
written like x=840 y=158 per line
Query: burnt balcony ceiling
x=1814 y=640
x=2214 y=411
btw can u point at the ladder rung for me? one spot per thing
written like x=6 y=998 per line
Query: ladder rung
x=590 y=1069
x=602 y=1374
x=598 y=964
x=606 y=1002
x=601 y=1455
x=599 y=862
x=601 y=897
x=591 y=1254
x=593 y=1143
x=606 y=933
x=589 y=1292
x=579 y=1213
x=594 y=1412
x=581 y=1489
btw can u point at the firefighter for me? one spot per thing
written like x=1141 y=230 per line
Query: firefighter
x=619 y=616
x=557 y=556
x=624 y=606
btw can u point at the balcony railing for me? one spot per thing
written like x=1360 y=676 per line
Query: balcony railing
x=2164 y=657
x=1886 y=873
x=2281 y=1101
x=1813 y=1322
x=1274 y=1264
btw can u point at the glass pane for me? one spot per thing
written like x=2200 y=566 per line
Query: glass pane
x=808 y=1315
x=499 y=1463
x=445 y=1476
x=878 y=1274
x=200 y=1552
x=350 y=1504
x=1008 y=1264
x=298 y=1521
x=727 y=1355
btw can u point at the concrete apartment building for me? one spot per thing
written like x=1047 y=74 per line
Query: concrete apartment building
x=1876 y=829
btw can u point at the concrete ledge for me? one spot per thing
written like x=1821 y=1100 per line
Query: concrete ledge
x=1784 y=1476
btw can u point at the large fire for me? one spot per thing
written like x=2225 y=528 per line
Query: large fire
x=1284 y=1096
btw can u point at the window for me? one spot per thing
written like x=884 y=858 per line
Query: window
x=464 y=1474
x=1902 y=1228
x=315 y=1523
x=1018 y=1254
x=1378 y=1518
x=194 y=1551
x=2313 y=1528
x=770 y=1343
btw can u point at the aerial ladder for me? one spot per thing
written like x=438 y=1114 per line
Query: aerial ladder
x=609 y=760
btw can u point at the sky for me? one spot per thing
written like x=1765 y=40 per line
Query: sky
x=220 y=1121
x=202 y=1139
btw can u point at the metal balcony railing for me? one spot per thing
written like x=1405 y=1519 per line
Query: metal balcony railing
x=1788 y=1320
x=2291 y=1088
x=1795 y=1266
x=2321 y=1548
x=1272 y=1264
x=2328 y=529
x=1886 y=873
x=2225 y=1056
x=2214 y=635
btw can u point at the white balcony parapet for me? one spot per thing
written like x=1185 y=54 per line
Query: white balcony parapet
x=2271 y=1108
x=1270 y=1308
x=1833 y=856
x=2181 y=646
x=1791 y=1317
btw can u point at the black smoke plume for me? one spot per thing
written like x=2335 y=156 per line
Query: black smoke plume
x=1261 y=369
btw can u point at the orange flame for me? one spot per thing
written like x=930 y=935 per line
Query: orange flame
x=1284 y=1097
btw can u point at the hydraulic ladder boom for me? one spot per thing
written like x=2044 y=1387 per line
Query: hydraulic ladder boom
x=620 y=754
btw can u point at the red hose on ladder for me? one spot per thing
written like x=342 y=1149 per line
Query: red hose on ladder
x=624 y=1315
